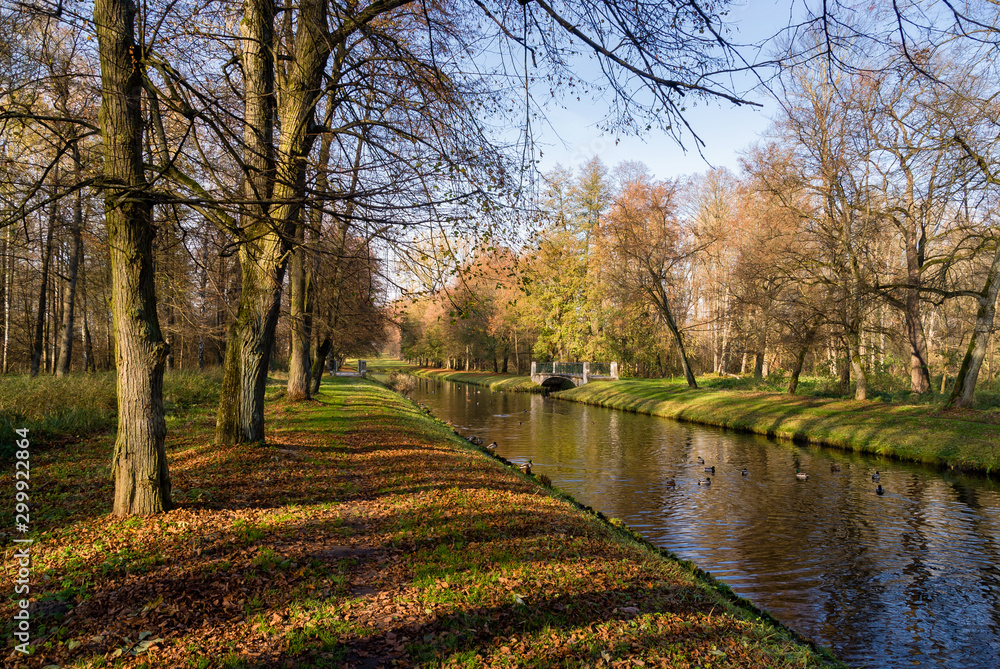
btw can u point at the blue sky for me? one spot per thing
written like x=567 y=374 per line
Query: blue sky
x=725 y=129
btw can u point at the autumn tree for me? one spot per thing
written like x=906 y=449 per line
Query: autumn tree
x=654 y=247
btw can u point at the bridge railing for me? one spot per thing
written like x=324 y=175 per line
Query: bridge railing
x=570 y=368
x=602 y=369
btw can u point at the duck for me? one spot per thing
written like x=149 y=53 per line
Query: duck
x=710 y=470
x=745 y=472
x=802 y=476
x=670 y=483
x=476 y=440
x=705 y=481
x=526 y=468
x=879 y=490
x=701 y=460
x=492 y=447
x=834 y=467
x=876 y=476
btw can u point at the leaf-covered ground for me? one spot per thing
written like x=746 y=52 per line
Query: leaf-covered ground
x=364 y=534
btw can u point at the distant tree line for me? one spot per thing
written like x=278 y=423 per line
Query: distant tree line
x=859 y=241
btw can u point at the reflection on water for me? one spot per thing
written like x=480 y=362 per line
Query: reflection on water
x=911 y=578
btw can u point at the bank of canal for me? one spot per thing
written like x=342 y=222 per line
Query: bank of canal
x=961 y=439
x=908 y=578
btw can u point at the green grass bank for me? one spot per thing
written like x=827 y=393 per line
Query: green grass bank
x=908 y=429
x=364 y=534
x=505 y=382
x=963 y=439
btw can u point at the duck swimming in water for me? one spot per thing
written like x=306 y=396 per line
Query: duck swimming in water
x=834 y=467
x=701 y=460
x=705 y=481
x=879 y=490
x=745 y=472
x=876 y=476
x=711 y=469
x=802 y=476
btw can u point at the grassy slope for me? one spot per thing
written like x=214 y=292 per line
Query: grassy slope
x=364 y=530
x=964 y=439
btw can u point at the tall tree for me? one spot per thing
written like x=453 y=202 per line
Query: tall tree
x=139 y=464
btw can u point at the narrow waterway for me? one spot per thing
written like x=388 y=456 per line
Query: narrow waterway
x=909 y=578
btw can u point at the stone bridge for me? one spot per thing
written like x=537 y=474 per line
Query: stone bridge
x=556 y=375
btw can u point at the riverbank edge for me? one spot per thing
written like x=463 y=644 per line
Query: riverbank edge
x=505 y=382
x=956 y=439
x=617 y=528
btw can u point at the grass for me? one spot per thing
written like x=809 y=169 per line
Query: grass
x=964 y=439
x=364 y=533
x=57 y=410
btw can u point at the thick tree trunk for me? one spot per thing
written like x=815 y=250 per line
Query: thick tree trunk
x=263 y=252
x=139 y=464
x=69 y=303
x=920 y=375
x=38 y=346
x=844 y=369
x=240 y=418
x=964 y=390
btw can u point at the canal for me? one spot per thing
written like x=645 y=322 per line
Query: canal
x=910 y=578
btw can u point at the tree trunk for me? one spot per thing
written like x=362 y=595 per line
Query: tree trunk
x=800 y=357
x=139 y=464
x=38 y=347
x=269 y=231
x=857 y=368
x=322 y=351
x=964 y=390
x=844 y=369
x=920 y=375
x=240 y=418
x=69 y=303
x=299 y=312
x=8 y=270
x=664 y=306
x=89 y=364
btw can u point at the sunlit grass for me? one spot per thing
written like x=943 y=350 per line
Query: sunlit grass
x=80 y=404
x=917 y=432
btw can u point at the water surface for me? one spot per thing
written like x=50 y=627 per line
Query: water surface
x=907 y=579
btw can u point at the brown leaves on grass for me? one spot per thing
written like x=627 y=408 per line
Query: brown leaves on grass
x=364 y=537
